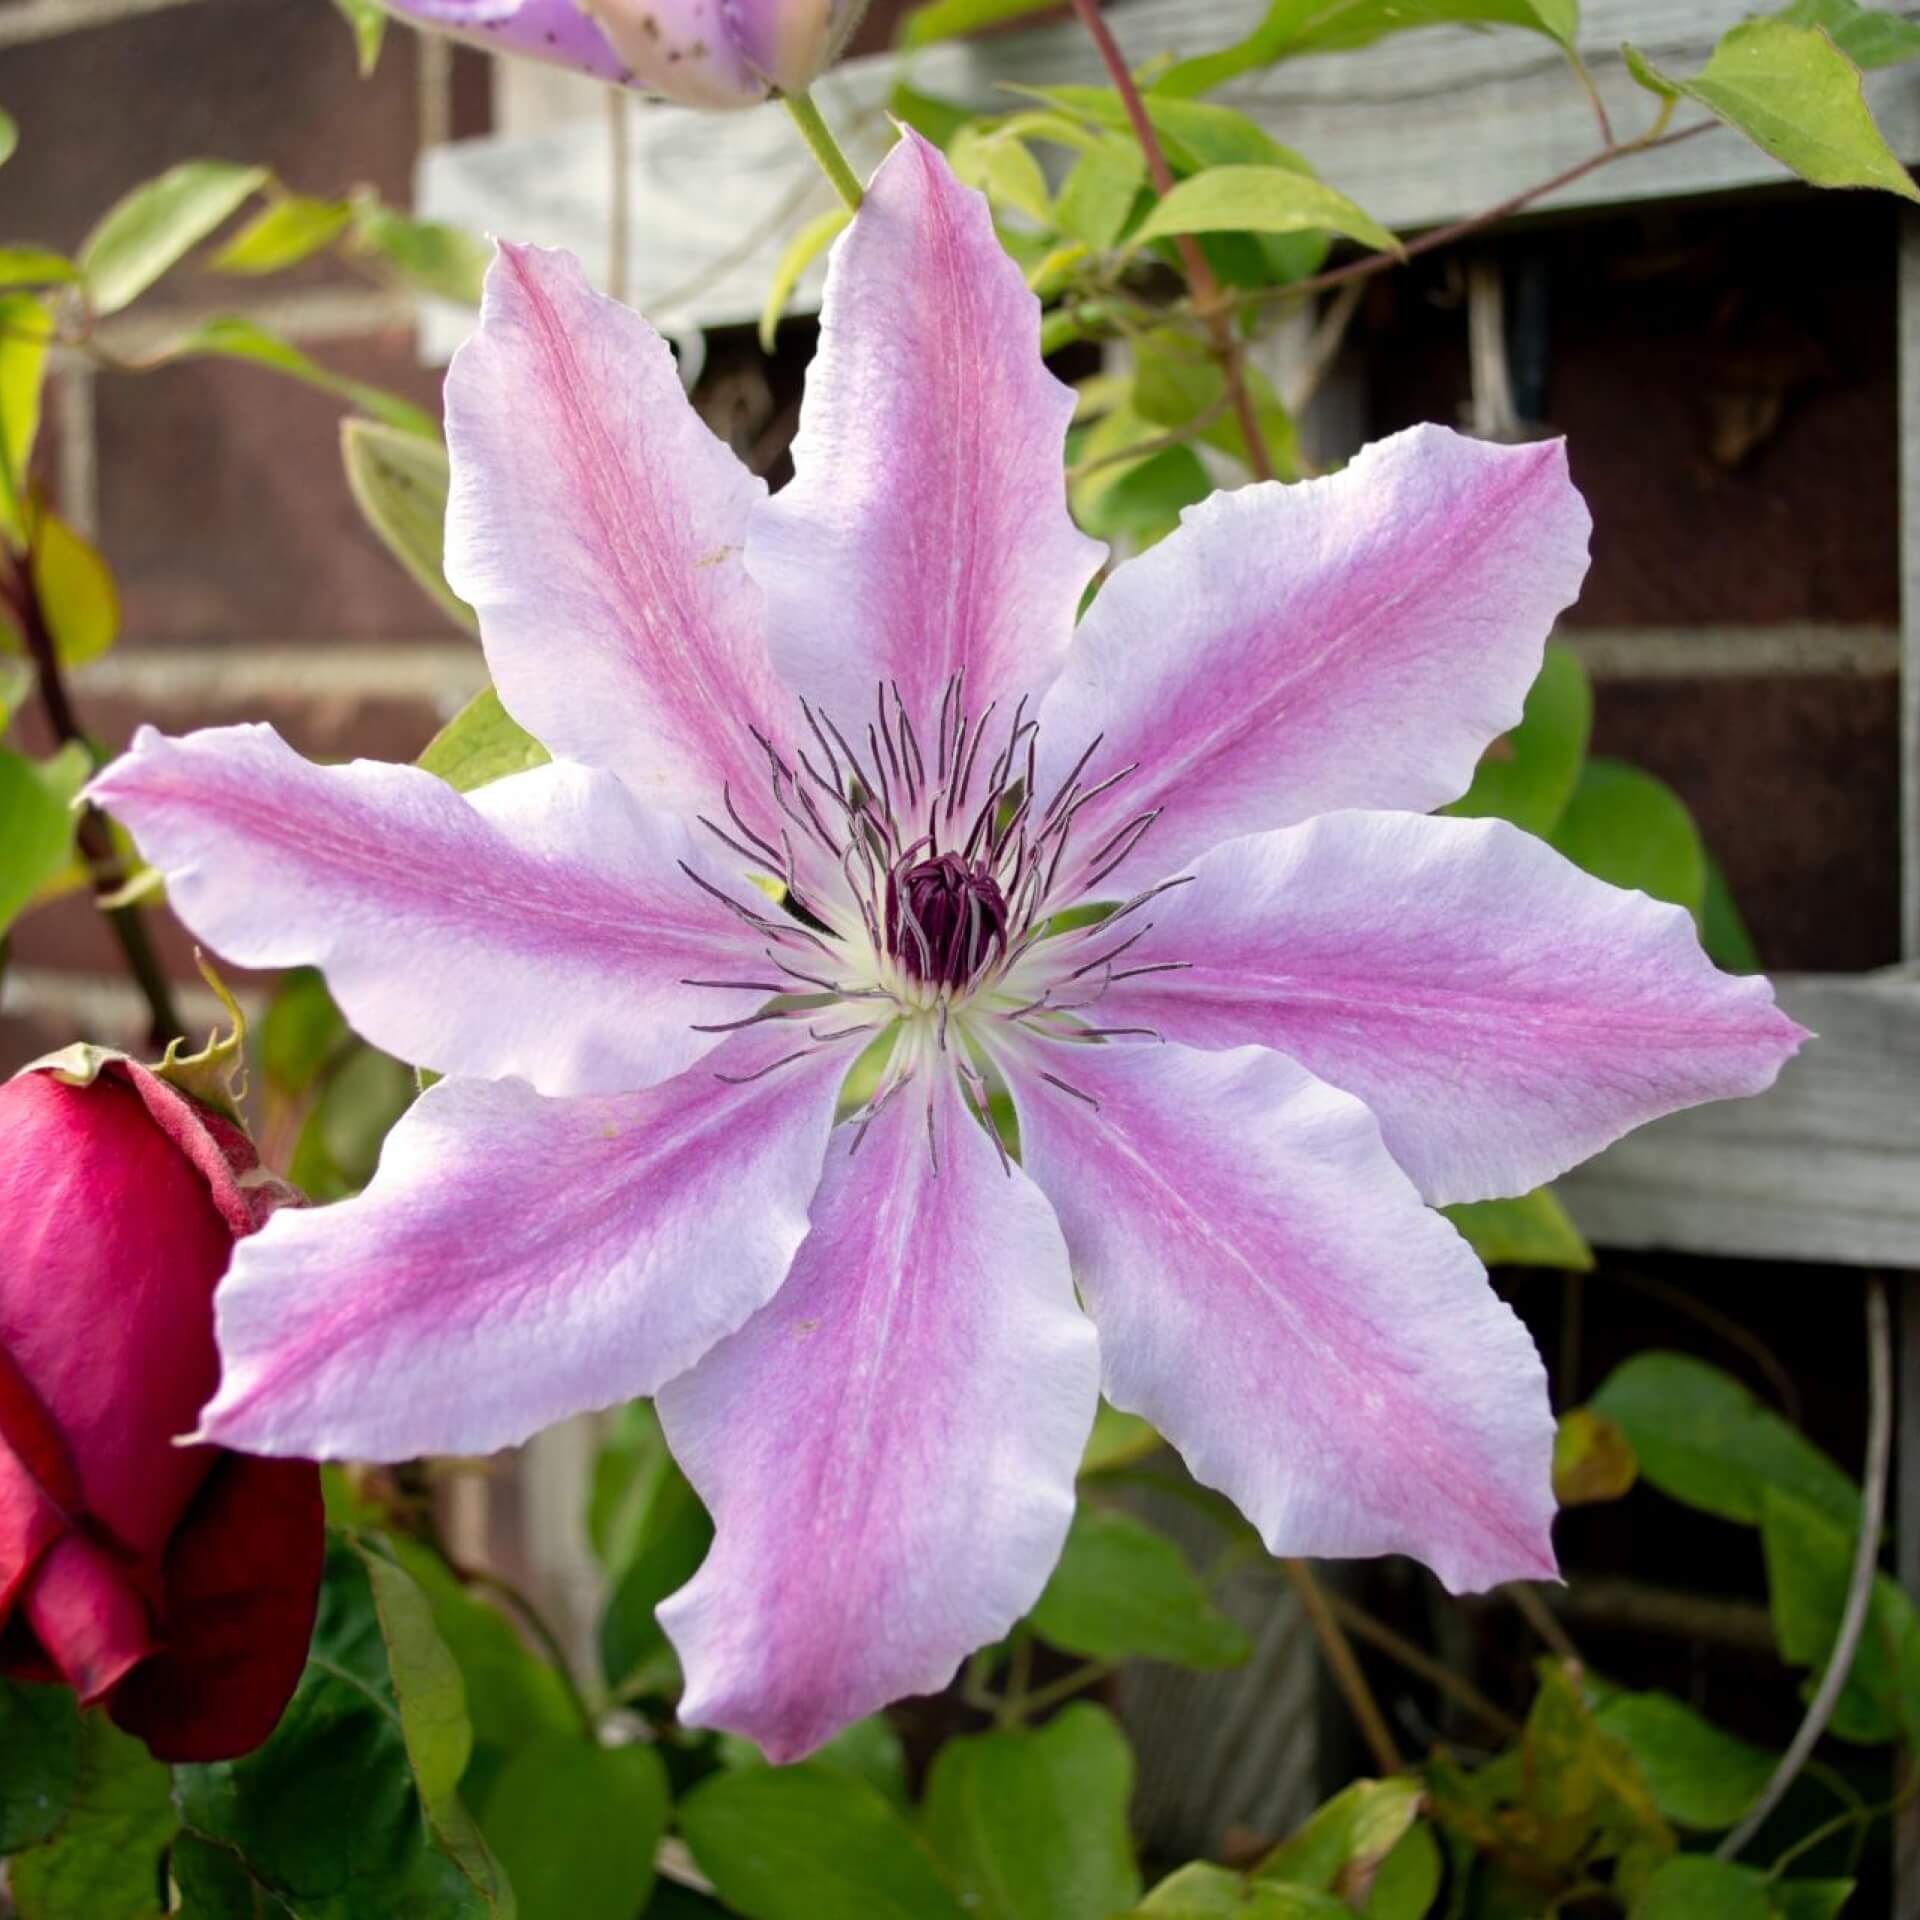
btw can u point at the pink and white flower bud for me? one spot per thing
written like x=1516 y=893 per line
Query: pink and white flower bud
x=703 y=53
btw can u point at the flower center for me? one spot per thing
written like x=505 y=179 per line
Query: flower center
x=946 y=918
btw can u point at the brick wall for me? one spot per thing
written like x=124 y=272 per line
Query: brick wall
x=250 y=587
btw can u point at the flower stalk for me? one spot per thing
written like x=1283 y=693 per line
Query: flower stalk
x=824 y=148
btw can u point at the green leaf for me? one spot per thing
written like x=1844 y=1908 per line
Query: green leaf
x=946 y=19
x=1809 y=1568
x=1032 y=1824
x=868 y=1750
x=1692 y=1885
x=1408 y=1881
x=104 y=1861
x=1096 y=200
x=1176 y=384
x=1868 y=36
x=1260 y=199
x=1117 y=1440
x=1530 y=1230
x=299 y=1033
x=1002 y=166
x=1704 y=1440
x=576 y=1826
x=1591 y=1459
x=9 y=137
x=1811 y=1899
x=1343 y=1844
x=1722 y=930
x=340 y=1140
x=1700 y=1777
x=232 y=337
x=1294 y=27
x=931 y=117
x=1795 y=95
x=1123 y=1591
x=1206 y=1892
x=327 y=1817
x=1528 y=776
x=26 y=328
x=76 y=591
x=399 y=481
x=802 y=1842
x=1632 y=830
x=426 y=1682
x=293 y=228
x=155 y=226
x=36 y=822
x=442 y=260
x=39 y=1750
x=16 y=685
x=368 y=19
x=35 y=267
x=670 y=1539
x=794 y=260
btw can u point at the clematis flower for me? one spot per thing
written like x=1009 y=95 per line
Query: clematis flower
x=704 y=53
x=1307 y=1012
x=176 y=1586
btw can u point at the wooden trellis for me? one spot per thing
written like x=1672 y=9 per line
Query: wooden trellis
x=1421 y=130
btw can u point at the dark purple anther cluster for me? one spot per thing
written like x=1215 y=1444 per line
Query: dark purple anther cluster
x=946 y=917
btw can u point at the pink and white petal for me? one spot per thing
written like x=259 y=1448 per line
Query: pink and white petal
x=596 y=526
x=1349 y=642
x=540 y=927
x=925 y=530
x=519 y=1259
x=889 y=1448
x=1271 y=1294
x=1503 y=1013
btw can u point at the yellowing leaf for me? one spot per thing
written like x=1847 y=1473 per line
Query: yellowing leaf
x=25 y=329
x=1261 y=199
x=1592 y=1460
x=35 y=267
x=76 y=591
x=798 y=256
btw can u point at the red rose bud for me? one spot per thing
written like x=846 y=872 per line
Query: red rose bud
x=175 y=1584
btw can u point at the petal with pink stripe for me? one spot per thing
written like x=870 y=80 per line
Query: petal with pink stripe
x=925 y=530
x=1349 y=642
x=542 y=926
x=519 y=1259
x=1274 y=1298
x=1504 y=1014
x=596 y=527
x=889 y=1448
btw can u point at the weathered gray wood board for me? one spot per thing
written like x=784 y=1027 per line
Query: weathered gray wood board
x=1419 y=129
x=1824 y=1167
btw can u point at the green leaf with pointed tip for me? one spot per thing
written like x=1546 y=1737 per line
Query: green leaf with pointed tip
x=104 y=1860
x=156 y=225
x=1632 y=830
x=1795 y=95
x=577 y=1825
x=1723 y=931
x=803 y=1842
x=1528 y=776
x=291 y=229
x=39 y=1756
x=26 y=330
x=327 y=1817
x=947 y=19
x=1529 y=1230
x=1203 y=1891
x=1294 y=27
x=1700 y=1777
x=9 y=137
x=1811 y=1899
x=1260 y=199
x=481 y=743
x=36 y=822
x=35 y=267
x=1703 y=1439
x=1868 y=36
x=233 y=337
x=444 y=261
x=1031 y=1824
x=368 y=19
x=1344 y=1841
x=399 y=481
x=798 y=254
x=1122 y=1591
